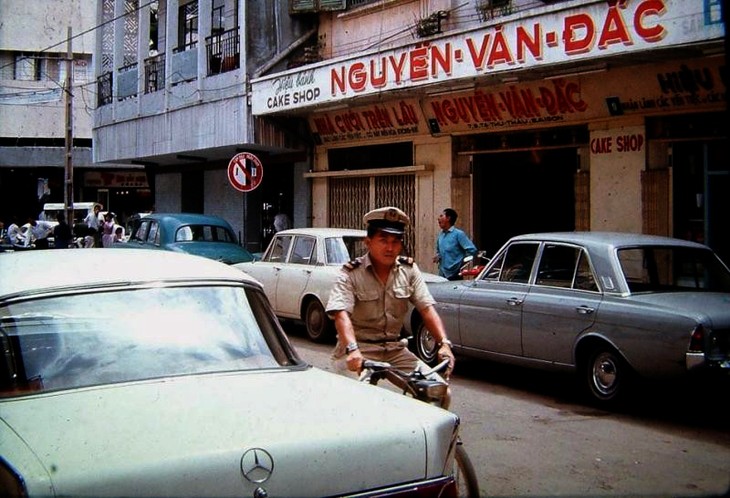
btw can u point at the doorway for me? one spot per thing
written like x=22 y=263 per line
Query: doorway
x=701 y=182
x=518 y=192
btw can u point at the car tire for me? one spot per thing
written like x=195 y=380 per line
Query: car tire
x=424 y=345
x=320 y=327
x=607 y=376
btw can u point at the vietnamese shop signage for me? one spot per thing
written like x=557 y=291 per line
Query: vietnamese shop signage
x=587 y=32
x=696 y=85
x=394 y=119
x=659 y=88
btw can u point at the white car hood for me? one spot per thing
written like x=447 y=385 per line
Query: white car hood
x=186 y=436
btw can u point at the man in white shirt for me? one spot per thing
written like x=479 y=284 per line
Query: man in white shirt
x=37 y=233
x=93 y=222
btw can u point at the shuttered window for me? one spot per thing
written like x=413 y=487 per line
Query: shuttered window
x=351 y=197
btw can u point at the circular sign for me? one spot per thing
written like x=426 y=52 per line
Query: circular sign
x=245 y=172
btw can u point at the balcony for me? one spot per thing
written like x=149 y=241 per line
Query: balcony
x=223 y=51
x=127 y=81
x=104 y=89
x=154 y=73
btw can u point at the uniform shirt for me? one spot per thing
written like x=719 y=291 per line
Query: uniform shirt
x=452 y=246
x=376 y=310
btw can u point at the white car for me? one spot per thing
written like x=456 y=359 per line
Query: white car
x=298 y=270
x=154 y=373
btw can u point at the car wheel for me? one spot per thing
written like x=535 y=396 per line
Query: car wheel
x=425 y=345
x=319 y=326
x=607 y=375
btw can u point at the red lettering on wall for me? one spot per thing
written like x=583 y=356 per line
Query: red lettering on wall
x=648 y=8
x=614 y=28
x=578 y=34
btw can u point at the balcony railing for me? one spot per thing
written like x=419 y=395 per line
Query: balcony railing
x=223 y=51
x=104 y=89
x=154 y=73
x=127 y=81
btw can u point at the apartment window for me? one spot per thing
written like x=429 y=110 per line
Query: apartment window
x=304 y=6
x=358 y=3
x=27 y=67
x=154 y=27
x=218 y=18
x=188 y=26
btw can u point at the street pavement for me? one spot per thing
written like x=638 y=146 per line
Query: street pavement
x=531 y=434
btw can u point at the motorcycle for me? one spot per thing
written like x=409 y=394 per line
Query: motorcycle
x=473 y=265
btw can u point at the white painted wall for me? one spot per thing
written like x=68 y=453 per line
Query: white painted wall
x=616 y=179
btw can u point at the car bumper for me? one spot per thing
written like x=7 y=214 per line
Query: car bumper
x=443 y=487
x=697 y=361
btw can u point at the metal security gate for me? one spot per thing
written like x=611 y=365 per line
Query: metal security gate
x=351 y=197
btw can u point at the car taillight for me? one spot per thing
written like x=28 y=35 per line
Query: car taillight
x=11 y=483
x=697 y=340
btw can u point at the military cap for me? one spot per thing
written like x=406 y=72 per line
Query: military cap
x=388 y=219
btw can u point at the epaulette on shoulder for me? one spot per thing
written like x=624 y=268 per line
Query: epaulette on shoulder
x=351 y=265
x=405 y=260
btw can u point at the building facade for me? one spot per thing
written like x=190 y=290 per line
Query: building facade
x=173 y=88
x=522 y=115
x=45 y=131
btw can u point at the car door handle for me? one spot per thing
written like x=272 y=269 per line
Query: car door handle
x=585 y=310
x=515 y=301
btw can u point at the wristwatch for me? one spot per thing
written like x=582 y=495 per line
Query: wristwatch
x=351 y=347
x=446 y=341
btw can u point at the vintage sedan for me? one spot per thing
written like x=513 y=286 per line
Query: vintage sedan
x=199 y=234
x=141 y=373
x=611 y=307
x=298 y=270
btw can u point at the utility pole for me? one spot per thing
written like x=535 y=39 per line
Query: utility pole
x=68 y=193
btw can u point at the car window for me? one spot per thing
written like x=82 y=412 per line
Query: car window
x=518 y=262
x=141 y=233
x=153 y=236
x=279 y=249
x=585 y=279
x=565 y=266
x=557 y=266
x=184 y=234
x=203 y=233
x=662 y=269
x=340 y=250
x=302 y=251
x=60 y=342
x=355 y=247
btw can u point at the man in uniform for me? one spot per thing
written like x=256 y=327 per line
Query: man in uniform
x=370 y=299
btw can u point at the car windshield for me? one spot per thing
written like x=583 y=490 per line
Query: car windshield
x=673 y=269
x=340 y=250
x=206 y=233
x=126 y=335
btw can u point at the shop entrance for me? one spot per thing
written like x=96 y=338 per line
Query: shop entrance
x=701 y=182
x=521 y=192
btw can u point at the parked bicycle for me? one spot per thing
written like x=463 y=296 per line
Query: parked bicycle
x=421 y=386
